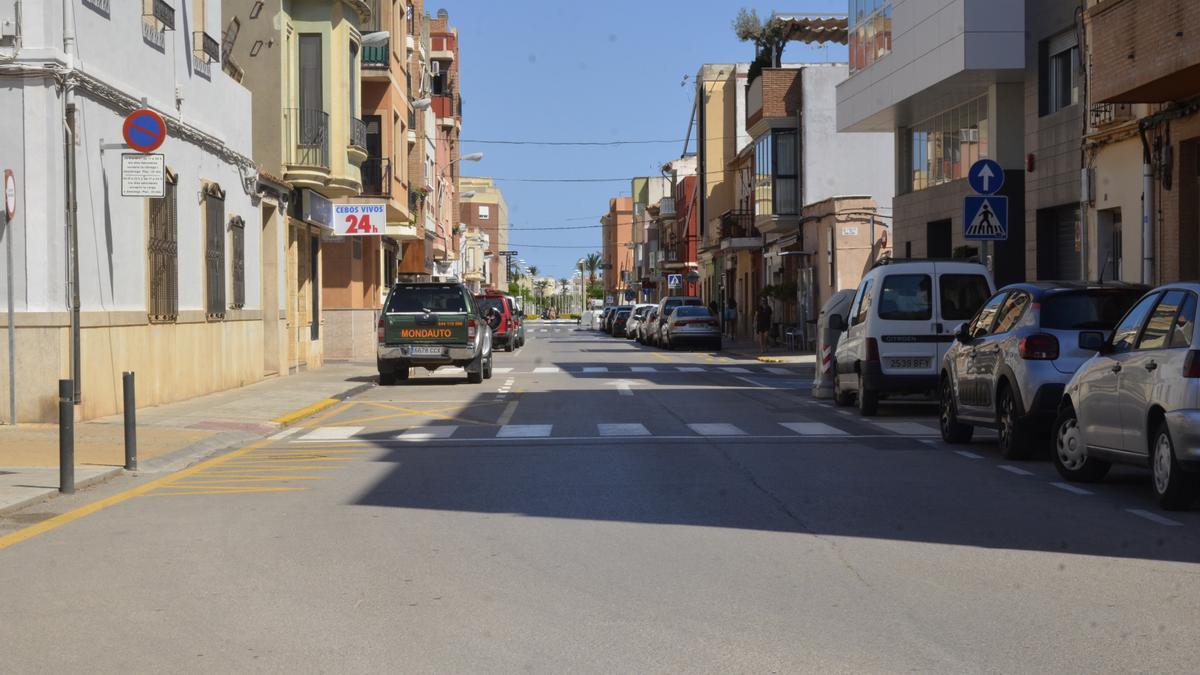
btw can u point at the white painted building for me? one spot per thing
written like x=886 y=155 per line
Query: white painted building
x=169 y=288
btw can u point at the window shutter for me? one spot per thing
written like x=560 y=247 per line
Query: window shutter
x=214 y=210
x=238 y=230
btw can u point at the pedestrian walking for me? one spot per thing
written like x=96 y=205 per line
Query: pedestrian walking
x=762 y=324
x=731 y=319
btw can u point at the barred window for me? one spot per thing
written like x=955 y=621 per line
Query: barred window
x=214 y=251
x=237 y=228
x=162 y=249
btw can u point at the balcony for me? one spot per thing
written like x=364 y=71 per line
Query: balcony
x=376 y=54
x=358 y=133
x=377 y=177
x=666 y=208
x=1106 y=115
x=162 y=14
x=738 y=232
x=206 y=46
x=782 y=99
x=1148 y=52
x=306 y=147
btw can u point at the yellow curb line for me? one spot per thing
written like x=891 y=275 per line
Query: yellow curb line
x=293 y=417
x=770 y=359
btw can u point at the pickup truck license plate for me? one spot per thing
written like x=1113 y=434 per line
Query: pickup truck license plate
x=909 y=364
x=425 y=351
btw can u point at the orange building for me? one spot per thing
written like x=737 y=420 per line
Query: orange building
x=618 y=249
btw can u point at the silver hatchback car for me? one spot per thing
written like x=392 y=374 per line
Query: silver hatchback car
x=1008 y=366
x=689 y=326
x=1137 y=401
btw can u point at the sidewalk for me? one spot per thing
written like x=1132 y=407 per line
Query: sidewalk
x=748 y=349
x=170 y=436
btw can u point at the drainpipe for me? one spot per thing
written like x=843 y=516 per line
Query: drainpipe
x=1147 y=210
x=70 y=189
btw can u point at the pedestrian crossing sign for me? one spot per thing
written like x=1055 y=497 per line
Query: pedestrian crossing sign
x=985 y=218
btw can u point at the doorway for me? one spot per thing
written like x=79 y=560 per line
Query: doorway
x=1057 y=252
x=939 y=239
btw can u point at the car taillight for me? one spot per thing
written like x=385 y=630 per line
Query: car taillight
x=472 y=330
x=872 y=350
x=1039 y=347
x=1191 y=364
x=677 y=324
x=380 y=334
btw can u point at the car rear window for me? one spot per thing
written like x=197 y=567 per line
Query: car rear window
x=1097 y=309
x=623 y=314
x=962 y=295
x=486 y=303
x=690 y=310
x=431 y=298
x=907 y=297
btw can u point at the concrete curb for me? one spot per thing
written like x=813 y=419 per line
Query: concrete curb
x=53 y=492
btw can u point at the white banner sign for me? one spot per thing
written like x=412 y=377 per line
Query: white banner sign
x=143 y=175
x=360 y=219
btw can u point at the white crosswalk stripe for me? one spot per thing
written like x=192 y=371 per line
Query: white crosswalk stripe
x=812 y=429
x=643 y=369
x=428 y=433
x=331 y=433
x=690 y=369
x=776 y=370
x=906 y=428
x=546 y=370
x=595 y=369
x=716 y=429
x=502 y=371
x=525 y=431
x=623 y=429
x=733 y=369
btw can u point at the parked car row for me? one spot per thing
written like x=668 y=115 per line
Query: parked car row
x=430 y=325
x=674 y=322
x=1098 y=373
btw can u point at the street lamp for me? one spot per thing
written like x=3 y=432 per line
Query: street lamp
x=422 y=103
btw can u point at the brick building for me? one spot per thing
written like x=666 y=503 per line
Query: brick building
x=617 y=250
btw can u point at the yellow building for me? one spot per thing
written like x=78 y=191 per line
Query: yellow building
x=483 y=208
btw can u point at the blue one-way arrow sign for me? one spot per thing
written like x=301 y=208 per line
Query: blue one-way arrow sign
x=986 y=177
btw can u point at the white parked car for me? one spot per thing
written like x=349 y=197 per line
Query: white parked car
x=901 y=323
x=1137 y=401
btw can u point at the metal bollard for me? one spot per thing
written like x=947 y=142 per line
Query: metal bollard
x=130 y=422
x=66 y=436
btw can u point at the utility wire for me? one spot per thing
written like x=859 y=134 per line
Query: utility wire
x=570 y=143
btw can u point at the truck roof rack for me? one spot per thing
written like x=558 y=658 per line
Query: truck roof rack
x=895 y=261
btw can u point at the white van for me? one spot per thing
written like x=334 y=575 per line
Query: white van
x=901 y=323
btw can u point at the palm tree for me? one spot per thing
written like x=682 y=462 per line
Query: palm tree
x=592 y=264
x=541 y=285
x=533 y=271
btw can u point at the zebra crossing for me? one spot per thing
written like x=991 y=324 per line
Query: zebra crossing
x=712 y=369
x=618 y=430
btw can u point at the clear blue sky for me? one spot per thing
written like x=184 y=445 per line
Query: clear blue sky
x=559 y=70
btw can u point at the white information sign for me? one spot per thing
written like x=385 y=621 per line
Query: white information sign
x=143 y=175
x=359 y=219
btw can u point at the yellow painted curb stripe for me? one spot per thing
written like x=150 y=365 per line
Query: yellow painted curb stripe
x=86 y=510
x=770 y=359
x=313 y=409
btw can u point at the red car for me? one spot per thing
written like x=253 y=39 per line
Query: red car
x=498 y=309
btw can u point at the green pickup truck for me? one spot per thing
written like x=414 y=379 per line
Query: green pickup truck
x=431 y=325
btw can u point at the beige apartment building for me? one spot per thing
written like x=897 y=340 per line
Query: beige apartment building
x=484 y=210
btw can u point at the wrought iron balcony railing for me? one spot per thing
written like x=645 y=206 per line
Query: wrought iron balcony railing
x=307 y=137
x=358 y=133
x=377 y=177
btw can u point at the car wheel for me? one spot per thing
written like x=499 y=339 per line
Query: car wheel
x=402 y=371
x=387 y=378
x=1070 y=451
x=868 y=401
x=508 y=345
x=487 y=367
x=1013 y=433
x=840 y=398
x=717 y=346
x=1175 y=488
x=953 y=431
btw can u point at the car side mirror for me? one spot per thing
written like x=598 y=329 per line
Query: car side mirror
x=961 y=334
x=837 y=322
x=1092 y=341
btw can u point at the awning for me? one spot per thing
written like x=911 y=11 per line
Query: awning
x=817 y=28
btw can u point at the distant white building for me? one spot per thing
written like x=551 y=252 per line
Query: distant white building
x=170 y=288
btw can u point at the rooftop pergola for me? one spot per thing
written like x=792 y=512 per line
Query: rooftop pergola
x=815 y=28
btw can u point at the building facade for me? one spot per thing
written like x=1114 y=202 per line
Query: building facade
x=617 y=249
x=483 y=210
x=180 y=289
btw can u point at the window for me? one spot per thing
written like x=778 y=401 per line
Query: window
x=416 y=299
x=1086 y=310
x=943 y=147
x=311 y=95
x=962 y=295
x=214 y=251
x=1126 y=331
x=1162 y=320
x=982 y=324
x=870 y=32
x=352 y=80
x=1013 y=310
x=906 y=297
x=1185 y=324
x=485 y=212
x=162 y=249
x=775 y=185
x=237 y=231
x=1059 y=69
x=864 y=303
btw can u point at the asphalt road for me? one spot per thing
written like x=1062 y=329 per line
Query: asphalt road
x=602 y=507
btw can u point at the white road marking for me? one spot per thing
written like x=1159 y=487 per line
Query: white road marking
x=285 y=433
x=502 y=371
x=968 y=455
x=690 y=369
x=905 y=428
x=623 y=429
x=733 y=369
x=1014 y=469
x=812 y=429
x=525 y=431
x=643 y=369
x=716 y=429
x=428 y=433
x=1154 y=517
x=547 y=370
x=331 y=433
x=507 y=415
x=1071 y=488
x=777 y=370
x=595 y=369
